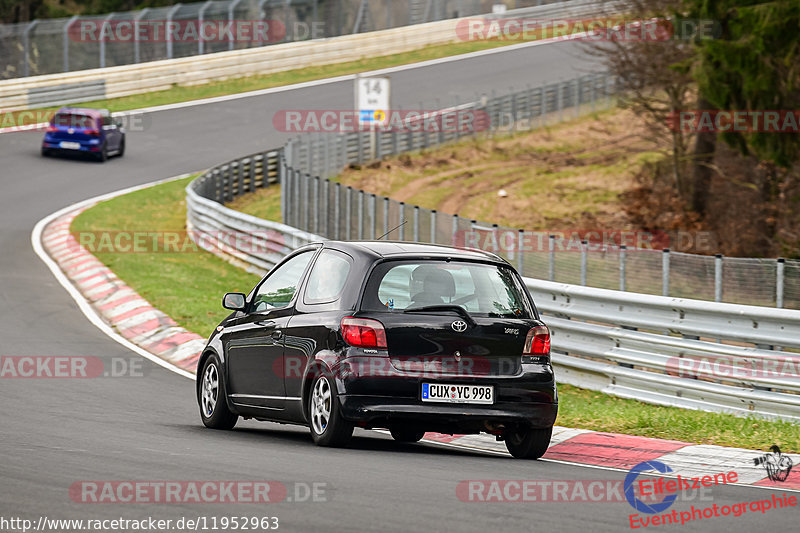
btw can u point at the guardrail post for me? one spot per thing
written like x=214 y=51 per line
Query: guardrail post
x=718 y=277
x=136 y=53
x=622 y=257
x=520 y=256
x=306 y=194
x=454 y=230
x=433 y=226
x=316 y=204
x=584 y=261
x=360 y=215
x=326 y=198
x=348 y=212
x=385 y=215
x=560 y=100
x=336 y=199
x=285 y=184
x=401 y=215
x=171 y=14
x=665 y=272
x=416 y=223
x=296 y=207
x=552 y=257
x=200 y=16
x=372 y=222
x=103 y=40
x=66 y=41
x=231 y=9
x=779 y=280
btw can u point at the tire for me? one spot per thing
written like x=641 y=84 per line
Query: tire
x=121 y=147
x=212 y=397
x=102 y=155
x=328 y=428
x=528 y=443
x=45 y=152
x=401 y=434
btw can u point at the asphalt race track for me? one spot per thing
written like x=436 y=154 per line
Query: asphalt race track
x=56 y=432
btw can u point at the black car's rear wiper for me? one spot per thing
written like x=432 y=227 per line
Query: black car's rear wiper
x=443 y=307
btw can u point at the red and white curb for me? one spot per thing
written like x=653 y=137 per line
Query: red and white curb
x=622 y=452
x=128 y=313
x=131 y=320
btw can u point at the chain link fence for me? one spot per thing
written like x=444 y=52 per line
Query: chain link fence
x=123 y=38
x=316 y=204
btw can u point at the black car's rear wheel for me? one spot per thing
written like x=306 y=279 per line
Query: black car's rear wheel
x=102 y=155
x=328 y=428
x=121 y=151
x=402 y=434
x=213 y=407
x=528 y=443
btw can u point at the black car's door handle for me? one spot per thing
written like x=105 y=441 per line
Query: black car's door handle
x=265 y=323
x=277 y=334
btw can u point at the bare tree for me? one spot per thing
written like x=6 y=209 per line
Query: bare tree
x=651 y=61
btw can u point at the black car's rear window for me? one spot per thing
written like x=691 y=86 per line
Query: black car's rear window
x=74 y=120
x=481 y=289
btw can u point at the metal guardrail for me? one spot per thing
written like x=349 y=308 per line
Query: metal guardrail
x=691 y=354
x=248 y=242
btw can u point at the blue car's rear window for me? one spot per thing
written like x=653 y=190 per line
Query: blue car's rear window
x=74 y=120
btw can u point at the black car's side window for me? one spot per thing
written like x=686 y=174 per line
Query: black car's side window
x=279 y=288
x=327 y=278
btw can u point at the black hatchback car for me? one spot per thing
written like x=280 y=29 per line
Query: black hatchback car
x=407 y=337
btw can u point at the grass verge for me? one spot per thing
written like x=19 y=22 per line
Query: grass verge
x=188 y=287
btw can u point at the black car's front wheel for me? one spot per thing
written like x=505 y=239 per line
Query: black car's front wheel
x=328 y=428
x=528 y=443
x=213 y=407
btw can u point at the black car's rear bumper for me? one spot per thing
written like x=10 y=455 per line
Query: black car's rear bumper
x=527 y=399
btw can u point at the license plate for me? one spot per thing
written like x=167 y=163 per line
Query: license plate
x=450 y=393
x=69 y=145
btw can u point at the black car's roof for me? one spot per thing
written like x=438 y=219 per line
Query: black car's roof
x=395 y=249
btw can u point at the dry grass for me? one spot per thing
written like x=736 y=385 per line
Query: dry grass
x=567 y=176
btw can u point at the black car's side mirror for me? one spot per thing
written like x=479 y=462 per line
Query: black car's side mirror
x=235 y=301
x=118 y=124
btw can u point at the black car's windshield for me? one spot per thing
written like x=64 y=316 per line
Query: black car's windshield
x=480 y=289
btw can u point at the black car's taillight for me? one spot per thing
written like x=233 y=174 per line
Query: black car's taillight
x=363 y=332
x=537 y=346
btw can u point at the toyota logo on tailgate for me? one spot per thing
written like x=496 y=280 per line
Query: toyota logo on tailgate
x=459 y=326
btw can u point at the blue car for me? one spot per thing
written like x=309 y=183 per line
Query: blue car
x=78 y=130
